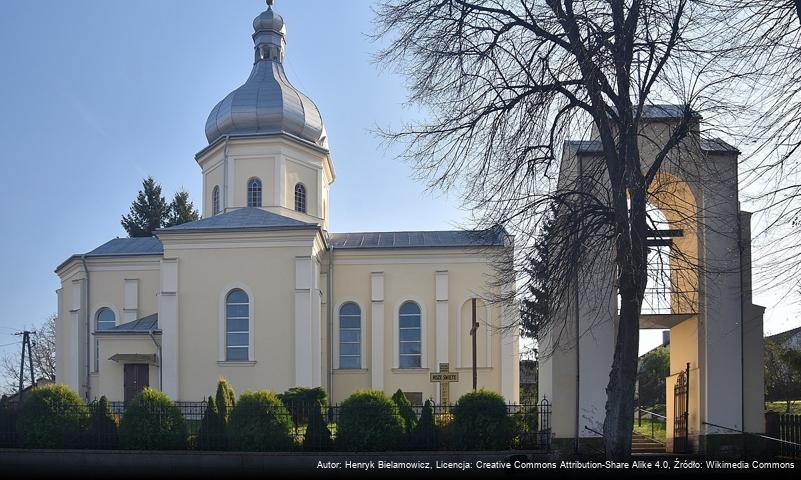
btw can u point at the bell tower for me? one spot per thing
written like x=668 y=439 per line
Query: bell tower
x=268 y=147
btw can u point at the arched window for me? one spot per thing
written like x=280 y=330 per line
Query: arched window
x=350 y=336
x=237 y=326
x=215 y=200
x=300 y=198
x=254 y=192
x=410 y=336
x=104 y=320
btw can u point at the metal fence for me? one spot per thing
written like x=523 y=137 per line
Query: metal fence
x=786 y=429
x=527 y=427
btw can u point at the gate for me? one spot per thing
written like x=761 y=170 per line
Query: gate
x=681 y=412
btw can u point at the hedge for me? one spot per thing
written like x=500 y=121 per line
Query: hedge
x=480 y=422
x=152 y=422
x=260 y=423
x=52 y=416
x=369 y=421
x=300 y=402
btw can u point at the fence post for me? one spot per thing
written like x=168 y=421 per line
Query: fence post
x=772 y=430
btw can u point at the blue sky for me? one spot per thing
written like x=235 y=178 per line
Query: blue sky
x=97 y=94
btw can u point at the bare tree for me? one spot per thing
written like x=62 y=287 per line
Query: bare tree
x=506 y=82
x=766 y=36
x=43 y=348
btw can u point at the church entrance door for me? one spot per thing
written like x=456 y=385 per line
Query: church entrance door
x=136 y=378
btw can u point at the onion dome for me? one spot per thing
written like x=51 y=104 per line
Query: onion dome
x=267 y=103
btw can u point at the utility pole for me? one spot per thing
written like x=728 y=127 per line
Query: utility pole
x=26 y=341
x=473 y=331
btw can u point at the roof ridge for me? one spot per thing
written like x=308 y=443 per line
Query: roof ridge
x=221 y=220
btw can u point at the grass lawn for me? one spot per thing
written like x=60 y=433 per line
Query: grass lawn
x=781 y=407
x=658 y=431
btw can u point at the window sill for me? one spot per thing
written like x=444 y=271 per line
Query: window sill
x=350 y=371
x=225 y=363
x=409 y=370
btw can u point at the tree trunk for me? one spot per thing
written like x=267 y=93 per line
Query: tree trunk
x=619 y=420
x=632 y=257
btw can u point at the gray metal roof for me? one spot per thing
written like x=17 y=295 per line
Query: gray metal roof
x=717 y=145
x=241 y=218
x=142 y=325
x=714 y=145
x=128 y=246
x=436 y=239
x=585 y=146
x=267 y=103
x=665 y=111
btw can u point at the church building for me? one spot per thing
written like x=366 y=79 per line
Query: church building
x=261 y=292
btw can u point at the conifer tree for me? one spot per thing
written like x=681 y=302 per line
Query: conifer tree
x=318 y=436
x=103 y=425
x=181 y=210
x=225 y=397
x=423 y=437
x=536 y=307
x=406 y=411
x=211 y=435
x=148 y=212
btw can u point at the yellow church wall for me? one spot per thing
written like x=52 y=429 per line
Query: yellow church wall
x=209 y=266
x=345 y=382
x=107 y=289
x=410 y=275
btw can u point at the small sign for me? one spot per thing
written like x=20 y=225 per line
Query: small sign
x=444 y=377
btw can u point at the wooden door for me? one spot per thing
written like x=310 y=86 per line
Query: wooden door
x=136 y=378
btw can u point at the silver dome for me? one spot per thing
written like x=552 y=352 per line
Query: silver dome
x=267 y=103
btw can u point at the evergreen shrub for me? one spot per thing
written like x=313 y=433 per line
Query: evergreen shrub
x=52 y=416
x=369 y=421
x=152 y=422
x=480 y=422
x=260 y=423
